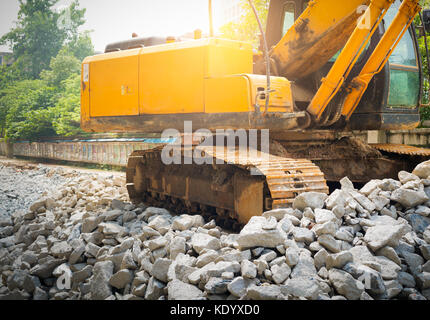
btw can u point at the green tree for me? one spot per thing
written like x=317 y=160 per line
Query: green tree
x=28 y=115
x=40 y=92
x=81 y=46
x=246 y=29
x=67 y=111
x=61 y=67
x=40 y=33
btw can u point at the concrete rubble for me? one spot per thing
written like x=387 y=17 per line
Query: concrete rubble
x=84 y=241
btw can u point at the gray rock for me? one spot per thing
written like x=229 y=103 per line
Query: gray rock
x=280 y=273
x=371 y=279
x=406 y=280
x=422 y=170
x=248 y=269
x=61 y=250
x=139 y=290
x=389 y=269
x=393 y=288
x=423 y=280
x=325 y=228
x=418 y=222
x=269 y=292
x=157 y=243
x=278 y=214
x=202 y=241
x=38 y=205
x=380 y=236
x=128 y=261
x=303 y=235
x=345 y=284
x=409 y=198
x=216 y=285
x=320 y=258
x=363 y=201
x=426 y=235
x=423 y=211
x=82 y=275
x=178 y=290
x=346 y=184
x=322 y=216
x=160 y=268
x=183 y=222
x=305 y=268
x=45 y=267
x=291 y=256
x=99 y=283
x=311 y=200
x=337 y=198
x=238 y=287
x=112 y=229
x=120 y=279
x=389 y=185
x=330 y=243
x=161 y=224
x=40 y=294
x=152 y=211
x=414 y=262
x=129 y=216
x=216 y=270
x=76 y=254
x=92 y=249
x=253 y=235
x=301 y=288
x=5 y=220
x=338 y=260
x=389 y=253
x=154 y=290
x=425 y=251
x=370 y=187
x=177 y=246
x=90 y=224
x=405 y=177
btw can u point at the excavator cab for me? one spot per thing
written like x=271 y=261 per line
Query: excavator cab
x=393 y=96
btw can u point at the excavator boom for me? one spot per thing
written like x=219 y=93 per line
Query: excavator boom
x=320 y=31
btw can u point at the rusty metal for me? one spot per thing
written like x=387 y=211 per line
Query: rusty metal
x=402 y=149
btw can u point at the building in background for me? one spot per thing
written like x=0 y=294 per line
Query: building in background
x=5 y=58
x=226 y=11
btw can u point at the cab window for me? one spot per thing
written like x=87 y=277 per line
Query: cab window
x=404 y=69
x=289 y=16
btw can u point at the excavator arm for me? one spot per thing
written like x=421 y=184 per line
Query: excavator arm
x=323 y=29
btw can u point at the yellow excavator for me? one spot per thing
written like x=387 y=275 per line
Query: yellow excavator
x=325 y=68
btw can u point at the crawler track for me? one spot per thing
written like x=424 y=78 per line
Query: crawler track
x=232 y=188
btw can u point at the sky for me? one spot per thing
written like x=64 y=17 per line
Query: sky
x=115 y=20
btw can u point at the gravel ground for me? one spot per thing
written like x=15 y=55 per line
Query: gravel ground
x=22 y=182
x=84 y=240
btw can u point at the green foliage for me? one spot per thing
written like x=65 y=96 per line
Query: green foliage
x=40 y=92
x=424 y=111
x=81 y=46
x=67 y=115
x=40 y=33
x=27 y=114
x=247 y=28
x=61 y=67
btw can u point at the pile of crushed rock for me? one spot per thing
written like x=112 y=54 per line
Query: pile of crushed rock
x=84 y=241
